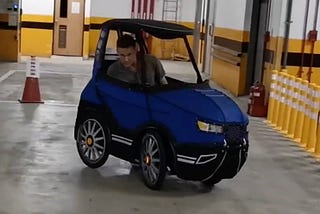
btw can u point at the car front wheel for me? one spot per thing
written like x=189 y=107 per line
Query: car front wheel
x=92 y=143
x=153 y=160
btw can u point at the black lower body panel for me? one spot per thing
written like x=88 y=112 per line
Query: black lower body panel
x=195 y=162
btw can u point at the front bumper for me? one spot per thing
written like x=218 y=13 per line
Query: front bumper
x=201 y=162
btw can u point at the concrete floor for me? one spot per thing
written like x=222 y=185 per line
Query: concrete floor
x=41 y=172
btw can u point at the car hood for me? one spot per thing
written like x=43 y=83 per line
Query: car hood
x=208 y=104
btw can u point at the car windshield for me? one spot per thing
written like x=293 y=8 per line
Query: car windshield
x=172 y=53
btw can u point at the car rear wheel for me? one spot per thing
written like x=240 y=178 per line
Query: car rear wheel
x=153 y=160
x=92 y=142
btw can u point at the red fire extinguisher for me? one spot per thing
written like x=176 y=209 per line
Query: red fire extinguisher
x=257 y=106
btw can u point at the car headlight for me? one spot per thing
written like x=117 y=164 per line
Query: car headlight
x=207 y=127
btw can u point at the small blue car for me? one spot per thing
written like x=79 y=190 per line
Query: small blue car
x=186 y=129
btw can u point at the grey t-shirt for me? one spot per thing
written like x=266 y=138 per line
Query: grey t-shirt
x=152 y=65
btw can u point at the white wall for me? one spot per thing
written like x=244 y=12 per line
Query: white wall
x=247 y=15
x=277 y=18
x=3 y=6
x=158 y=9
x=298 y=13
x=36 y=7
x=111 y=8
x=46 y=7
x=230 y=14
x=122 y=9
x=187 y=10
x=87 y=8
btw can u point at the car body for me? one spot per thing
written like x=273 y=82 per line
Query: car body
x=190 y=129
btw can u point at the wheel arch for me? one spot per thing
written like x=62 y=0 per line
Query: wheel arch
x=85 y=108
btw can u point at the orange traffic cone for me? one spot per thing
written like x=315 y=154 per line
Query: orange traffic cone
x=31 y=92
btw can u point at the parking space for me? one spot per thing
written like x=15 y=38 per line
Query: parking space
x=41 y=172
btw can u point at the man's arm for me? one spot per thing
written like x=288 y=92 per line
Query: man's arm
x=160 y=72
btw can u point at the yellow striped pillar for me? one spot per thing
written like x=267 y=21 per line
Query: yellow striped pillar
x=289 y=104
x=301 y=111
x=317 y=147
x=277 y=95
x=306 y=132
x=282 y=103
x=315 y=108
x=295 y=104
x=272 y=97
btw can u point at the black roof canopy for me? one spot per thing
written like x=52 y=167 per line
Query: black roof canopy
x=159 y=29
x=156 y=28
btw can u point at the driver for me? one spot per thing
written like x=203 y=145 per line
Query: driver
x=130 y=64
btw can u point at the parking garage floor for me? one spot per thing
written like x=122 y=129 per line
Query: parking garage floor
x=41 y=172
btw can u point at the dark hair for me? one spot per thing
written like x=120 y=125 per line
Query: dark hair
x=126 y=41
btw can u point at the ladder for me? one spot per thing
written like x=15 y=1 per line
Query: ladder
x=169 y=14
x=170 y=10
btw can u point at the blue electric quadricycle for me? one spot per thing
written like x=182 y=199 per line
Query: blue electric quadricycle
x=187 y=129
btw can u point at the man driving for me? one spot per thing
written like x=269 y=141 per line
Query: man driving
x=131 y=64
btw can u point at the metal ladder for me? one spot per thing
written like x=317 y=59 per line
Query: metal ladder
x=169 y=14
x=170 y=10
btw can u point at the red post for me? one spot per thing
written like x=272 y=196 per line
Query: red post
x=139 y=9
x=145 y=9
x=151 y=9
x=133 y=9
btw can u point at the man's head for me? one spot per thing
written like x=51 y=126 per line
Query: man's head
x=127 y=50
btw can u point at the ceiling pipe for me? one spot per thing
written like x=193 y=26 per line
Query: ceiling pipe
x=133 y=9
x=313 y=38
x=286 y=34
x=306 y=15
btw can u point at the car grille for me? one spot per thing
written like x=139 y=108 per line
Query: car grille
x=234 y=134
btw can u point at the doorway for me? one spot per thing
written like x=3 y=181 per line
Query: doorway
x=203 y=37
x=259 y=36
x=9 y=29
x=68 y=27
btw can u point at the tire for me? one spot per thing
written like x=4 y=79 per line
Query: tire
x=93 y=142
x=152 y=160
x=211 y=182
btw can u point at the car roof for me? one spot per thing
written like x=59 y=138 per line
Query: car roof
x=159 y=29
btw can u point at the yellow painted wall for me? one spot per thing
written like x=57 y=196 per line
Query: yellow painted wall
x=95 y=33
x=85 y=49
x=8 y=42
x=232 y=34
x=315 y=77
x=35 y=41
x=86 y=39
x=36 y=18
x=275 y=45
x=93 y=39
x=8 y=45
x=227 y=74
x=167 y=49
x=294 y=46
x=40 y=41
